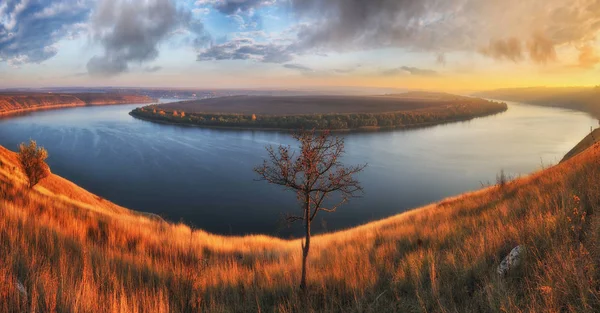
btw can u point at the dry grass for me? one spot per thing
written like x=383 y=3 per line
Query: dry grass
x=74 y=252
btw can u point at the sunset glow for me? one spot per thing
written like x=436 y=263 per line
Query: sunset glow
x=460 y=45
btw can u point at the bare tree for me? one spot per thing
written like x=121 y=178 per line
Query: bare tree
x=33 y=162
x=315 y=174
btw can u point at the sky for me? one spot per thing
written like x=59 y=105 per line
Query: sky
x=295 y=44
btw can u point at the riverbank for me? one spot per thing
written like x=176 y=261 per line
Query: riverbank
x=15 y=103
x=322 y=113
x=70 y=250
x=584 y=99
x=584 y=144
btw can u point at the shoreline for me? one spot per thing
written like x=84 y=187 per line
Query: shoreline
x=60 y=106
x=40 y=108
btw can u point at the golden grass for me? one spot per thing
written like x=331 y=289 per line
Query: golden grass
x=75 y=252
x=585 y=143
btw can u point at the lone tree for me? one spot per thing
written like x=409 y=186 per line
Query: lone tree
x=315 y=175
x=33 y=162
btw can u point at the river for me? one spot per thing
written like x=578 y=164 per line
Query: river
x=204 y=177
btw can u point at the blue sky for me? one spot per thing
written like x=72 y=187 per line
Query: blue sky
x=426 y=44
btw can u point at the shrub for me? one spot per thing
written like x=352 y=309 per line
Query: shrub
x=33 y=162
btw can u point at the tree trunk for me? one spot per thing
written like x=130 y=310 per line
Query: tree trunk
x=306 y=245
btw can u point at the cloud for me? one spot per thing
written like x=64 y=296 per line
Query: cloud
x=541 y=49
x=588 y=58
x=79 y=74
x=419 y=71
x=202 y=11
x=448 y=25
x=509 y=49
x=298 y=67
x=131 y=31
x=347 y=70
x=409 y=70
x=30 y=30
x=200 y=36
x=248 y=49
x=230 y=7
x=106 y=66
x=152 y=69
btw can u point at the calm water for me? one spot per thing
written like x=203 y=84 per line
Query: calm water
x=204 y=177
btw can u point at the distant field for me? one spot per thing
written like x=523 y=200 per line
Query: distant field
x=586 y=99
x=295 y=105
x=14 y=102
x=322 y=112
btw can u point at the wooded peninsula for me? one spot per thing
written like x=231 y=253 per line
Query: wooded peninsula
x=338 y=113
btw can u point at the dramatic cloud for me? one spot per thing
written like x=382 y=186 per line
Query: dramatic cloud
x=131 y=30
x=248 y=49
x=403 y=70
x=30 y=29
x=449 y=25
x=521 y=32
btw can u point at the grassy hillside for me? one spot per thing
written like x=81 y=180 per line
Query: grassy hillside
x=21 y=102
x=75 y=252
x=584 y=144
x=586 y=99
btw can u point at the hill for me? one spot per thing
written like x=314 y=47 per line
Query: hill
x=322 y=112
x=64 y=249
x=584 y=144
x=586 y=99
x=22 y=102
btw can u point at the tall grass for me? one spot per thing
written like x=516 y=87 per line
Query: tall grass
x=74 y=252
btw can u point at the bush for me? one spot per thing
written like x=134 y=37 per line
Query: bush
x=33 y=162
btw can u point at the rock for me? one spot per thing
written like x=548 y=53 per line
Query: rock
x=513 y=259
x=152 y=216
x=21 y=289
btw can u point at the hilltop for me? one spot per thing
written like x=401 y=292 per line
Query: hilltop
x=584 y=144
x=65 y=249
x=15 y=102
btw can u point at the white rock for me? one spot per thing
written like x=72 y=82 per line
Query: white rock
x=512 y=260
x=21 y=288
